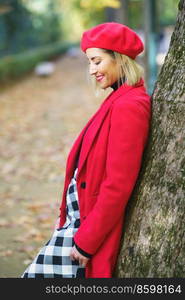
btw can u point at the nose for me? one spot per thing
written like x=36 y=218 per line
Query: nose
x=92 y=69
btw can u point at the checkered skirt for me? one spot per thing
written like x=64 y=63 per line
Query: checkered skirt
x=53 y=259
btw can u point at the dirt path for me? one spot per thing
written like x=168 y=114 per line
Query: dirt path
x=39 y=119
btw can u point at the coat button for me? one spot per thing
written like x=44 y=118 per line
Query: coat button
x=83 y=185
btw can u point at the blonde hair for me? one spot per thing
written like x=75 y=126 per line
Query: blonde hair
x=129 y=70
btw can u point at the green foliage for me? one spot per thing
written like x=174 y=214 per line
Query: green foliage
x=97 y=5
x=21 y=28
x=26 y=24
x=79 y=15
x=16 y=65
x=167 y=11
x=135 y=14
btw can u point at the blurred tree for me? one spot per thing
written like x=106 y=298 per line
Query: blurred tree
x=151 y=33
x=167 y=11
x=123 y=12
x=23 y=28
x=118 y=14
x=46 y=20
x=93 y=11
x=79 y=15
x=14 y=21
x=135 y=13
x=153 y=243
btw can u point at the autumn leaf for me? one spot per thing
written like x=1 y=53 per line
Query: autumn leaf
x=6 y=253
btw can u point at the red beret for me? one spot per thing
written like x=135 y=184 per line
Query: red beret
x=113 y=36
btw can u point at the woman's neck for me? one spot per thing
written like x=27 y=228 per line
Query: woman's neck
x=118 y=83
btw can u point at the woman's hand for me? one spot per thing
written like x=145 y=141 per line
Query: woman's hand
x=75 y=255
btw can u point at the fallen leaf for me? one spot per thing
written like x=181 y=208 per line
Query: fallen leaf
x=4 y=223
x=6 y=253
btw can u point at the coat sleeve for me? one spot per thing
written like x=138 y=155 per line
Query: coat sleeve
x=127 y=139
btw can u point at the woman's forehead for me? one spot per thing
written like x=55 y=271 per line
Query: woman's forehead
x=94 y=52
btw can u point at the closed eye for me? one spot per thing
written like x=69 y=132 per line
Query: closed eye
x=96 y=63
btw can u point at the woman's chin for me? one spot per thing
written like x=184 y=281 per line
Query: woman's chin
x=103 y=86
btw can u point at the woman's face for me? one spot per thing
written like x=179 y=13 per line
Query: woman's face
x=102 y=66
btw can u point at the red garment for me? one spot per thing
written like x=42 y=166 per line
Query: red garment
x=113 y=36
x=109 y=163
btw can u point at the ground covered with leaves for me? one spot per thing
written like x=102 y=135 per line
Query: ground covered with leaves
x=40 y=118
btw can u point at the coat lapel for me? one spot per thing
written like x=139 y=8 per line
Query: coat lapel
x=75 y=151
x=95 y=126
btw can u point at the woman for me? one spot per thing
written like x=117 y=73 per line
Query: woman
x=103 y=164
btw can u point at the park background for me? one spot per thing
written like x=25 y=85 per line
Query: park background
x=45 y=100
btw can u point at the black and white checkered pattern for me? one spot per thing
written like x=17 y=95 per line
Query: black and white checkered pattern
x=53 y=259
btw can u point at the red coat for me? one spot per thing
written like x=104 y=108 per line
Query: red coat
x=109 y=164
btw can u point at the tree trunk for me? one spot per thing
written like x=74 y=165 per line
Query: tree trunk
x=120 y=14
x=153 y=238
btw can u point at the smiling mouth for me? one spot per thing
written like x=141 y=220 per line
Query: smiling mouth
x=99 y=78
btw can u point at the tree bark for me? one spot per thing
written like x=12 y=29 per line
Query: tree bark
x=153 y=243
